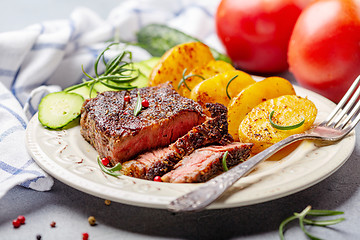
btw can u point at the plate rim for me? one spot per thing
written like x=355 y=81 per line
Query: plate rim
x=80 y=183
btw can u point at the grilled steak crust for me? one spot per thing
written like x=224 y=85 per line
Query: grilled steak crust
x=205 y=163
x=109 y=125
x=213 y=131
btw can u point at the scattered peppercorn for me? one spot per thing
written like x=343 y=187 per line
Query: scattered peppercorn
x=107 y=202
x=38 y=237
x=16 y=223
x=92 y=220
x=53 y=224
x=127 y=98
x=157 y=179
x=145 y=103
x=105 y=161
x=21 y=219
x=85 y=236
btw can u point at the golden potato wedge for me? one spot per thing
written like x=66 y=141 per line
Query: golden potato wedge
x=213 y=90
x=251 y=96
x=289 y=110
x=172 y=64
x=209 y=70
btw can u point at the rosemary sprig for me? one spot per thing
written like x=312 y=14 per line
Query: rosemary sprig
x=224 y=161
x=184 y=78
x=280 y=127
x=138 y=105
x=227 y=86
x=110 y=171
x=118 y=71
x=302 y=220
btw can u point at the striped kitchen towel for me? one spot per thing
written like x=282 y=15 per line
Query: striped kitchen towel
x=47 y=57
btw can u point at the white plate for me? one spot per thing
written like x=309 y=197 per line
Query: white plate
x=68 y=157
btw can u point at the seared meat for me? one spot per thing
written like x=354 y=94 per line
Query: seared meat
x=108 y=122
x=213 y=131
x=141 y=165
x=205 y=163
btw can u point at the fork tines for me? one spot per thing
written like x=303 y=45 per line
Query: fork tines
x=346 y=109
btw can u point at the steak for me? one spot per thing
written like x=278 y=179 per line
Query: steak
x=204 y=163
x=108 y=122
x=158 y=162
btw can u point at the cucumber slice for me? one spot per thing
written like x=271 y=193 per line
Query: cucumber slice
x=59 y=108
x=151 y=62
x=143 y=68
x=84 y=91
x=158 y=38
x=141 y=81
x=99 y=87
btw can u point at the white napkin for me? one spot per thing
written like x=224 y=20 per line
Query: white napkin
x=47 y=57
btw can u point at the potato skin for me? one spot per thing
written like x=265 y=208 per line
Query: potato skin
x=172 y=64
x=288 y=110
x=213 y=90
x=251 y=96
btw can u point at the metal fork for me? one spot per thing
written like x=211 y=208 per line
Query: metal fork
x=338 y=124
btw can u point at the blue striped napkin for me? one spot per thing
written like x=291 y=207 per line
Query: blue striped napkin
x=47 y=57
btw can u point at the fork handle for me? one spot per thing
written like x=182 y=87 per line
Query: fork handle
x=214 y=188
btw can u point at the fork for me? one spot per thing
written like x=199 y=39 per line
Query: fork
x=336 y=126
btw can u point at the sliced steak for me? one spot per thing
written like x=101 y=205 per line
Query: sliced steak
x=109 y=125
x=204 y=163
x=213 y=131
x=141 y=165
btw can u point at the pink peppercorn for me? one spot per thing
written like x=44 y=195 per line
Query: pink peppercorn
x=127 y=98
x=157 y=179
x=85 y=236
x=145 y=103
x=105 y=161
x=21 y=219
x=16 y=223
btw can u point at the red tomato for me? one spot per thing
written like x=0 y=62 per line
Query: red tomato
x=256 y=33
x=324 y=50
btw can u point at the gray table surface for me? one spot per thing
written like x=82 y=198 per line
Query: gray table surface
x=70 y=208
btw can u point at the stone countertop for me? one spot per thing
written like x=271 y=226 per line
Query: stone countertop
x=70 y=208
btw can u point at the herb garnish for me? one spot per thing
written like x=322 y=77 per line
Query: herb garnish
x=224 y=161
x=184 y=78
x=110 y=171
x=291 y=127
x=302 y=220
x=227 y=86
x=117 y=75
x=138 y=105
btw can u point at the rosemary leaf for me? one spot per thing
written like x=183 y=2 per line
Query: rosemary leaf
x=116 y=87
x=138 y=106
x=224 y=161
x=227 y=86
x=112 y=66
x=184 y=78
x=290 y=127
x=101 y=55
x=314 y=212
x=283 y=224
x=75 y=87
x=302 y=220
x=110 y=171
x=323 y=223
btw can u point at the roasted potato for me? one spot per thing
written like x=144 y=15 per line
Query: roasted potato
x=289 y=110
x=251 y=96
x=172 y=64
x=213 y=90
x=209 y=70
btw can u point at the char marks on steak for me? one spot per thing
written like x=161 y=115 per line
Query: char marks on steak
x=156 y=163
x=109 y=125
x=204 y=163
